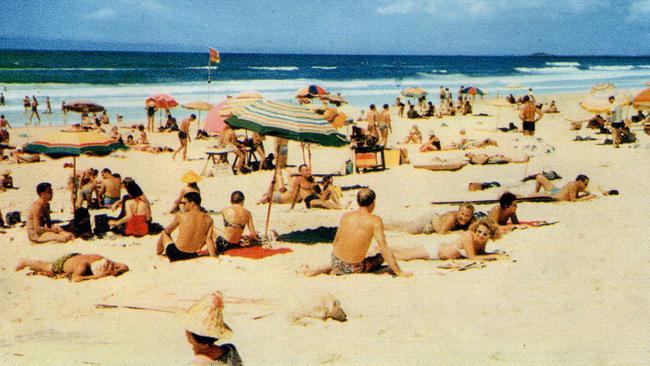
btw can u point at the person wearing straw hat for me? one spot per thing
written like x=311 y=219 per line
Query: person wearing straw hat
x=196 y=231
x=204 y=326
x=190 y=178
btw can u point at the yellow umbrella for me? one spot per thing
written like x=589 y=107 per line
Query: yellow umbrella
x=642 y=100
x=600 y=103
x=199 y=106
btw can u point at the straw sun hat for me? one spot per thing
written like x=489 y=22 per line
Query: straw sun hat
x=190 y=177
x=205 y=317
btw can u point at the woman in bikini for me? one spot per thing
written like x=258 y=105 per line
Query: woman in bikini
x=470 y=244
x=137 y=212
x=235 y=220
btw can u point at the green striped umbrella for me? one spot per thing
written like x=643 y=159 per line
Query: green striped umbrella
x=288 y=121
x=60 y=144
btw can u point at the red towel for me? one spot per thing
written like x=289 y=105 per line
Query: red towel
x=255 y=252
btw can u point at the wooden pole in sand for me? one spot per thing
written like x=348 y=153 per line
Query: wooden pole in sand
x=309 y=154
x=74 y=183
x=269 y=193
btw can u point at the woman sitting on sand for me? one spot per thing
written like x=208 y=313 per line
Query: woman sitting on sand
x=235 y=219
x=414 y=136
x=470 y=244
x=79 y=267
x=552 y=108
x=433 y=144
x=142 y=140
x=115 y=134
x=137 y=211
x=466 y=109
x=190 y=179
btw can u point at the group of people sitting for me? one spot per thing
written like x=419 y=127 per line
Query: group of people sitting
x=433 y=142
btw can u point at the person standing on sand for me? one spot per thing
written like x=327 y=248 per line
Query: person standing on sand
x=353 y=238
x=80 y=267
x=2 y=99
x=529 y=115
x=196 y=230
x=372 y=121
x=384 y=124
x=184 y=136
x=39 y=225
x=26 y=103
x=151 y=113
x=34 y=111
x=616 y=120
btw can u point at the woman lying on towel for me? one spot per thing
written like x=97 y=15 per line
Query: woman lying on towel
x=470 y=244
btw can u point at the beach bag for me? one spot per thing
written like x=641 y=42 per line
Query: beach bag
x=80 y=224
x=101 y=224
x=155 y=228
x=12 y=218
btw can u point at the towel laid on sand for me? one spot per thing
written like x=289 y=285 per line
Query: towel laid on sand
x=320 y=234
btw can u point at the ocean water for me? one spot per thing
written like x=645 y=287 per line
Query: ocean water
x=122 y=80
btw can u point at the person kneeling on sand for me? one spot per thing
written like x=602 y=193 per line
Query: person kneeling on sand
x=353 y=238
x=39 y=224
x=196 y=230
x=506 y=210
x=235 y=220
x=470 y=244
x=436 y=223
x=79 y=267
x=570 y=192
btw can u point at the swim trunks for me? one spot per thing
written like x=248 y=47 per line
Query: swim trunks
x=619 y=124
x=174 y=254
x=277 y=197
x=495 y=160
x=182 y=135
x=310 y=198
x=432 y=250
x=554 y=190
x=529 y=126
x=223 y=245
x=369 y=264
x=57 y=266
x=110 y=200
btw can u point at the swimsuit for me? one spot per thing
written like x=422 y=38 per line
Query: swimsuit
x=529 y=126
x=310 y=198
x=137 y=226
x=340 y=267
x=224 y=245
x=433 y=251
x=182 y=135
x=174 y=254
x=57 y=266
x=110 y=200
x=555 y=190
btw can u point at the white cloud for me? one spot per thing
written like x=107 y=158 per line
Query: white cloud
x=152 y=5
x=464 y=8
x=639 y=10
x=104 y=13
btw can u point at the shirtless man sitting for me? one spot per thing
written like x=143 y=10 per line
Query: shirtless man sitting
x=229 y=140
x=111 y=188
x=235 y=220
x=483 y=159
x=79 y=267
x=302 y=187
x=353 y=238
x=435 y=223
x=506 y=210
x=196 y=230
x=570 y=192
x=39 y=224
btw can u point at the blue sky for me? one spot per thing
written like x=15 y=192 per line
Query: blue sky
x=430 y=27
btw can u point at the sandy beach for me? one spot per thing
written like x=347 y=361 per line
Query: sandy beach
x=576 y=292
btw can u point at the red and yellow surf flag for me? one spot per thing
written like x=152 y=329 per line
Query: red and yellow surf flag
x=214 y=56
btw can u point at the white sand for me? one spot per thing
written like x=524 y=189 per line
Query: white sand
x=573 y=293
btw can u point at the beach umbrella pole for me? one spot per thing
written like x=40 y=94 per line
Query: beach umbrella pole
x=269 y=194
x=309 y=154
x=74 y=183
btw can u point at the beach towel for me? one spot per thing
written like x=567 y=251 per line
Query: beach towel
x=320 y=234
x=489 y=202
x=526 y=225
x=255 y=252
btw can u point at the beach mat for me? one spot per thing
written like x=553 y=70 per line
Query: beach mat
x=526 y=225
x=441 y=168
x=320 y=234
x=255 y=252
x=493 y=201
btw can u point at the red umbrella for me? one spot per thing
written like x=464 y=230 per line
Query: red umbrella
x=161 y=101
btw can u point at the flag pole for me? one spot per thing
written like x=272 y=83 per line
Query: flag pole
x=209 y=76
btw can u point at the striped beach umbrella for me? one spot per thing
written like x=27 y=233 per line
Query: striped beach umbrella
x=472 y=90
x=414 y=92
x=62 y=143
x=289 y=121
x=311 y=91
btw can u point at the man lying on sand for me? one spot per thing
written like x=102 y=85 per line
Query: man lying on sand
x=570 y=192
x=470 y=244
x=39 y=224
x=79 y=267
x=235 y=219
x=353 y=237
x=196 y=230
x=506 y=210
x=435 y=223
x=483 y=159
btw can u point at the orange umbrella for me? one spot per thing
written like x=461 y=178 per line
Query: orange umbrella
x=642 y=101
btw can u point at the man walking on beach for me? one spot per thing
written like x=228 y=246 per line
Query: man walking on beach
x=39 y=224
x=195 y=230
x=354 y=235
x=372 y=121
x=529 y=115
x=616 y=120
x=184 y=136
x=383 y=121
x=2 y=99
x=34 y=111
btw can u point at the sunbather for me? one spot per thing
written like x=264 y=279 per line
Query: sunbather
x=483 y=159
x=436 y=223
x=79 y=267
